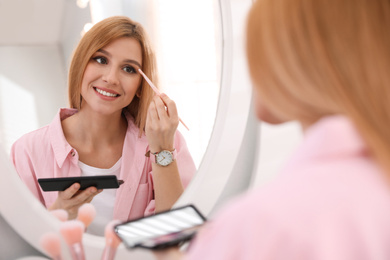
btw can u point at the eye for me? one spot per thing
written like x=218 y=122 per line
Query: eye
x=129 y=69
x=100 y=60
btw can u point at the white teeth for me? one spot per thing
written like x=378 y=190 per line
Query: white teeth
x=104 y=93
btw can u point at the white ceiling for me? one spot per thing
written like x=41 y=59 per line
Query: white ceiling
x=30 y=22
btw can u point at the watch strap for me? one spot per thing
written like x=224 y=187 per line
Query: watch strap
x=153 y=155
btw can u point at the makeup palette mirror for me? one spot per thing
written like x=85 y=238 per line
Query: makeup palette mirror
x=202 y=66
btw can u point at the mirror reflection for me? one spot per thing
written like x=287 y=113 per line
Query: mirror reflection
x=33 y=88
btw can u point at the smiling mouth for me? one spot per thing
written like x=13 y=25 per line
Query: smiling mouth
x=105 y=93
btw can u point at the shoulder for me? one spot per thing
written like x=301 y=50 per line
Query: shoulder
x=314 y=190
x=317 y=196
x=32 y=146
x=310 y=189
x=290 y=216
x=44 y=135
x=39 y=140
x=32 y=139
x=242 y=227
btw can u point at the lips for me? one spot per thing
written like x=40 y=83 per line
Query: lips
x=105 y=92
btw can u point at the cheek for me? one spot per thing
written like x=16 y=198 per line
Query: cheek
x=88 y=76
x=131 y=88
x=264 y=114
x=132 y=85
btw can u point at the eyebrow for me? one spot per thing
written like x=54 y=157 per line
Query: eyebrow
x=127 y=60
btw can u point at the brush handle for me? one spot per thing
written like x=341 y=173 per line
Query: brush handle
x=181 y=121
x=108 y=253
x=77 y=252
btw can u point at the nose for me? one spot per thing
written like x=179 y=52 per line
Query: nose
x=110 y=76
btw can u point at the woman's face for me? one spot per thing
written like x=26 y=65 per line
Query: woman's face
x=111 y=78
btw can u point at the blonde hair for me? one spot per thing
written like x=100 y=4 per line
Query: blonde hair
x=324 y=57
x=100 y=35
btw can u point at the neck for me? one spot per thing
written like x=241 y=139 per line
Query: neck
x=95 y=129
x=306 y=124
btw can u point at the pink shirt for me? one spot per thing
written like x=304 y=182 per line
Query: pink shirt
x=45 y=153
x=330 y=201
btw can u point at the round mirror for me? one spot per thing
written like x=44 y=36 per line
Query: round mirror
x=204 y=56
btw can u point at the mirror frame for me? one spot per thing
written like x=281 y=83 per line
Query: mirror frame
x=221 y=162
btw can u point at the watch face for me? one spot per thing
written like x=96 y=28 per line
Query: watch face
x=164 y=158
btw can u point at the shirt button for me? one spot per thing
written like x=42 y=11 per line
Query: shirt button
x=73 y=153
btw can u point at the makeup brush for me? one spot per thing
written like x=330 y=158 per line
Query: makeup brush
x=72 y=232
x=86 y=214
x=50 y=242
x=60 y=214
x=155 y=89
x=112 y=241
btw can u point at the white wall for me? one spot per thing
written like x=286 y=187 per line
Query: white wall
x=32 y=89
x=275 y=145
x=74 y=19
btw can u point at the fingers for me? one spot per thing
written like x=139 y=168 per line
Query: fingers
x=84 y=196
x=74 y=191
x=72 y=198
x=162 y=116
x=152 y=112
x=162 y=111
x=161 y=123
x=69 y=192
x=169 y=104
x=163 y=108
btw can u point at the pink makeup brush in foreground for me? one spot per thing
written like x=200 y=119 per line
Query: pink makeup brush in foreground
x=155 y=89
x=50 y=242
x=112 y=241
x=86 y=214
x=72 y=232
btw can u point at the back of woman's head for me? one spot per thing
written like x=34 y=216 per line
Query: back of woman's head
x=312 y=58
x=100 y=35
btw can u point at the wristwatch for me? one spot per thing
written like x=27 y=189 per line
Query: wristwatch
x=163 y=158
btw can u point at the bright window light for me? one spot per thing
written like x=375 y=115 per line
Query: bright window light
x=187 y=61
x=82 y=3
x=23 y=118
x=86 y=28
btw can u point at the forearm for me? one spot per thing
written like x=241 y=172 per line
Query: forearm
x=167 y=185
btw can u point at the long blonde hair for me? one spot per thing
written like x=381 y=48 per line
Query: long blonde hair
x=324 y=57
x=100 y=35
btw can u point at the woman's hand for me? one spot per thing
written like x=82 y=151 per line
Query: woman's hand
x=161 y=123
x=72 y=198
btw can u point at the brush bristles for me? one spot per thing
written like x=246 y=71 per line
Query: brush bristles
x=86 y=214
x=72 y=231
x=112 y=239
x=50 y=242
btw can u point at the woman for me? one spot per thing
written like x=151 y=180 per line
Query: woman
x=114 y=120
x=324 y=63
